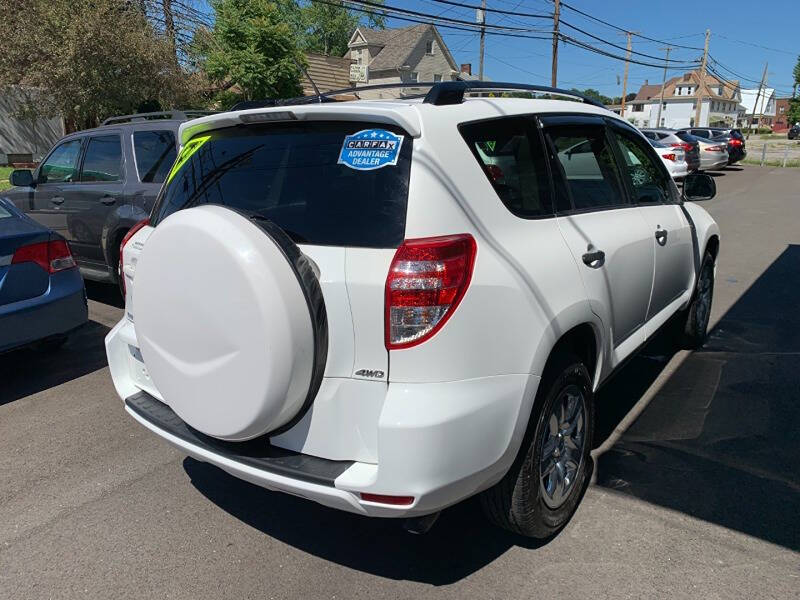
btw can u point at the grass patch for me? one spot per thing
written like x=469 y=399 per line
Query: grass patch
x=4 y=173
x=772 y=163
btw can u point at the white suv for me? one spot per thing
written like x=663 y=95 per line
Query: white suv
x=389 y=306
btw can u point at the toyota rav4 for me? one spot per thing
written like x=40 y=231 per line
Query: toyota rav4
x=388 y=306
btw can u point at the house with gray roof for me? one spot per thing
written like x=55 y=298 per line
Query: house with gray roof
x=405 y=55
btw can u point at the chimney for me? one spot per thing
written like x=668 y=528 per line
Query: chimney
x=466 y=68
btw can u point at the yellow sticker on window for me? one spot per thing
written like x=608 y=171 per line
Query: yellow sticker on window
x=187 y=152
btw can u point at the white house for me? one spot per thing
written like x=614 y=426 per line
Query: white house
x=764 y=104
x=720 y=103
x=405 y=55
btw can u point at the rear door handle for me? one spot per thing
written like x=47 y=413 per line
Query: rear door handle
x=57 y=200
x=661 y=236
x=595 y=259
x=108 y=200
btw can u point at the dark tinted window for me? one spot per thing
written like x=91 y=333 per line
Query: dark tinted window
x=103 y=159
x=511 y=155
x=686 y=137
x=61 y=165
x=289 y=173
x=646 y=176
x=155 y=152
x=586 y=163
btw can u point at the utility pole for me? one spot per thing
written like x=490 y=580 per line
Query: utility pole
x=702 y=83
x=625 y=76
x=663 y=85
x=483 y=37
x=556 y=16
x=758 y=95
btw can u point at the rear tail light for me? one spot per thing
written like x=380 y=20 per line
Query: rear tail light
x=671 y=157
x=427 y=279
x=384 y=499
x=131 y=232
x=52 y=256
x=735 y=142
x=685 y=145
x=495 y=173
x=715 y=148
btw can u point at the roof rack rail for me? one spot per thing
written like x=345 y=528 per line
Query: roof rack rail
x=178 y=115
x=439 y=94
x=452 y=92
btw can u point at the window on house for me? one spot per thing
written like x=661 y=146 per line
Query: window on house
x=638 y=107
x=414 y=76
x=437 y=77
x=679 y=91
x=429 y=47
x=664 y=105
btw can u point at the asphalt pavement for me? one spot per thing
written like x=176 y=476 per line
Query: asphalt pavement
x=696 y=492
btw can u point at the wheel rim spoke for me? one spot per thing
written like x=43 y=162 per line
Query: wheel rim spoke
x=562 y=447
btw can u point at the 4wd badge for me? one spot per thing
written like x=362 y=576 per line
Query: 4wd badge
x=370 y=149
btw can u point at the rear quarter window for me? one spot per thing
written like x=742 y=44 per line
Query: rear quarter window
x=290 y=174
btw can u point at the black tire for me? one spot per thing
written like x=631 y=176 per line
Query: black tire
x=694 y=329
x=517 y=501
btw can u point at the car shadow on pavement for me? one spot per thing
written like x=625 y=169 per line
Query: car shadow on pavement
x=719 y=440
x=461 y=542
x=28 y=371
x=105 y=293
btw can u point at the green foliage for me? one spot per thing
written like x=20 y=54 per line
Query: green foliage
x=793 y=114
x=327 y=28
x=796 y=76
x=252 y=51
x=595 y=95
x=5 y=173
x=89 y=59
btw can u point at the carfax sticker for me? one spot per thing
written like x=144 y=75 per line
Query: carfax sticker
x=370 y=149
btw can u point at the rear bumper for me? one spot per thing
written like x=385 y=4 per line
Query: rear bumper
x=438 y=442
x=59 y=310
x=679 y=170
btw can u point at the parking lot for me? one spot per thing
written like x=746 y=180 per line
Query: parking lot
x=696 y=489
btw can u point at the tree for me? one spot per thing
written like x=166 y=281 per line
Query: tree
x=328 y=28
x=251 y=52
x=796 y=75
x=793 y=114
x=89 y=59
x=594 y=94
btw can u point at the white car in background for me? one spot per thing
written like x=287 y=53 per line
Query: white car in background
x=390 y=306
x=713 y=155
x=674 y=158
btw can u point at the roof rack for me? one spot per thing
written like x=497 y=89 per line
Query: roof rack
x=440 y=93
x=178 y=115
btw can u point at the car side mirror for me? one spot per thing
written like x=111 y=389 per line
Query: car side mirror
x=699 y=186
x=21 y=178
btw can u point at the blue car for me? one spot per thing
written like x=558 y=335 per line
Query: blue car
x=42 y=297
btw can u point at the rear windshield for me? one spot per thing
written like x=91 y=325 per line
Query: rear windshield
x=298 y=176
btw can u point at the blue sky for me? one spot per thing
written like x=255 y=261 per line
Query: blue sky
x=738 y=28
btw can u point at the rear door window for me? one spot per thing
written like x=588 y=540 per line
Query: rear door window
x=155 y=153
x=511 y=155
x=103 y=159
x=585 y=161
x=291 y=174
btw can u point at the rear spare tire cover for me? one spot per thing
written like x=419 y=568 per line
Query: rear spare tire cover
x=230 y=322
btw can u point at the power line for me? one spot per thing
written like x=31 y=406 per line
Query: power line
x=621 y=47
x=754 y=45
x=496 y=10
x=624 y=30
x=581 y=44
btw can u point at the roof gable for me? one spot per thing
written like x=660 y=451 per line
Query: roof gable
x=398 y=45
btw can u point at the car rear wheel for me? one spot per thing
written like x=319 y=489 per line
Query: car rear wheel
x=542 y=489
x=697 y=315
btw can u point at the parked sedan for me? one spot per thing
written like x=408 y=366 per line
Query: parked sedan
x=671 y=138
x=732 y=138
x=713 y=155
x=673 y=158
x=42 y=297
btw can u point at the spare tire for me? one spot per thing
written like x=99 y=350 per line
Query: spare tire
x=230 y=321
